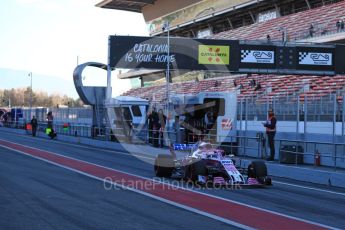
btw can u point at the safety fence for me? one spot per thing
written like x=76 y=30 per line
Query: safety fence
x=299 y=113
x=288 y=151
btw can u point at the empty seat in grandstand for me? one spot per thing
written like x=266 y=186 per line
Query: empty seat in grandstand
x=273 y=87
x=297 y=25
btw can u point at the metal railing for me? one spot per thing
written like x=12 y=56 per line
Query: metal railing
x=326 y=109
x=320 y=30
x=314 y=153
x=331 y=153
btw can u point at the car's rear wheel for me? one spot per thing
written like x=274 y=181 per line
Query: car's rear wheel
x=164 y=165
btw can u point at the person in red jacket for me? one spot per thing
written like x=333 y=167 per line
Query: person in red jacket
x=270 y=125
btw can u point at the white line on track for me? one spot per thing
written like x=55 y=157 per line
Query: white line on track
x=226 y=221
x=152 y=158
x=169 y=184
x=309 y=188
x=113 y=151
x=141 y=155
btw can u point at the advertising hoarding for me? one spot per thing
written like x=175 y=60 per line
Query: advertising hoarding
x=131 y=52
x=185 y=53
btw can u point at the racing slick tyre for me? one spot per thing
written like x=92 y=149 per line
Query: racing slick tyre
x=257 y=169
x=164 y=165
x=196 y=169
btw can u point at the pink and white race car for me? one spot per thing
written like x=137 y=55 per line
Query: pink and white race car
x=205 y=164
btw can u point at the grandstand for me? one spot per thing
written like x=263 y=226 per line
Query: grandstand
x=272 y=86
x=309 y=108
x=282 y=92
x=297 y=25
x=291 y=21
x=247 y=19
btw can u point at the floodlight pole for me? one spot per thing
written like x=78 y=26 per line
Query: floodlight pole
x=30 y=75
x=109 y=69
x=108 y=91
x=167 y=75
x=168 y=69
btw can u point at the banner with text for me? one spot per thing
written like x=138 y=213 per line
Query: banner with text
x=131 y=52
x=184 y=53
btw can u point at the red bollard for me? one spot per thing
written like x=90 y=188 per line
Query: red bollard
x=317 y=158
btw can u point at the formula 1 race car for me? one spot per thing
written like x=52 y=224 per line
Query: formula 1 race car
x=205 y=164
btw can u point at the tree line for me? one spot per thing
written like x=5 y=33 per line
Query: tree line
x=21 y=97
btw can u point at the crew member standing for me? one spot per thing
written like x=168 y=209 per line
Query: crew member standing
x=270 y=125
x=150 y=119
x=209 y=121
x=162 y=119
x=50 y=119
x=34 y=125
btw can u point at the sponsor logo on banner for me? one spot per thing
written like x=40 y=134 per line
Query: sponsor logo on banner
x=308 y=58
x=214 y=55
x=257 y=56
x=226 y=124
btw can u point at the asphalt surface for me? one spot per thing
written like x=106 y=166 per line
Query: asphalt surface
x=37 y=195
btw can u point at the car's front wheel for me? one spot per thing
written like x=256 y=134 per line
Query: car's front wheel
x=195 y=169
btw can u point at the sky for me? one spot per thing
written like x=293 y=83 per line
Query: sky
x=45 y=37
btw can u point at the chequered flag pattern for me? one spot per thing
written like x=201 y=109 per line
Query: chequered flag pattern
x=302 y=55
x=244 y=54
